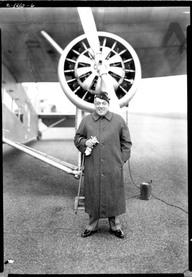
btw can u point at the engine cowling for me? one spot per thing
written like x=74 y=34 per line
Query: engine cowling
x=79 y=76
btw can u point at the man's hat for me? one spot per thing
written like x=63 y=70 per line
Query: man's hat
x=103 y=95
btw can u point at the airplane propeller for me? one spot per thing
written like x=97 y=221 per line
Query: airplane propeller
x=90 y=30
x=89 y=27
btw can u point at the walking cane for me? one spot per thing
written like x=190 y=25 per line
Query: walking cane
x=80 y=181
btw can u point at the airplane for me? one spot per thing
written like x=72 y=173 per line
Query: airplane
x=73 y=45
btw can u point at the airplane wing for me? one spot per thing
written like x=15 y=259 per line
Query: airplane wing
x=57 y=120
x=158 y=35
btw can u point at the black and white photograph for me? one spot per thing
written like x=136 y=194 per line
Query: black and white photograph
x=95 y=139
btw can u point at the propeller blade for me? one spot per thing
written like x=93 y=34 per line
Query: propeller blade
x=89 y=27
x=90 y=30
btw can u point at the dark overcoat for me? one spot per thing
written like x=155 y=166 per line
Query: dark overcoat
x=103 y=172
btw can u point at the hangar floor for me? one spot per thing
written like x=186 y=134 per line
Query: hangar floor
x=42 y=231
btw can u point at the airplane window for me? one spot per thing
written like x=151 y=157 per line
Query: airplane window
x=15 y=107
x=7 y=100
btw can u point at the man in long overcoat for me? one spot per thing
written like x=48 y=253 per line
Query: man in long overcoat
x=103 y=170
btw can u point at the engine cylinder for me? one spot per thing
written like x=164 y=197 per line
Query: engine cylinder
x=78 y=70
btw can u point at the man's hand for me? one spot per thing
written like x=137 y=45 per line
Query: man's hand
x=91 y=142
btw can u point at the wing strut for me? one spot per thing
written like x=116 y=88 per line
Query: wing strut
x=52 y=42
x=64 y=166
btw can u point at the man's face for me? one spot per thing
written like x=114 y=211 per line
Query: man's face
x=102 y=106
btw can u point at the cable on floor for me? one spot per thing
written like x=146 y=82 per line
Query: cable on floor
x=175 y=206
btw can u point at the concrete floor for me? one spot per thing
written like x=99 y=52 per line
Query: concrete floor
x=42 y=231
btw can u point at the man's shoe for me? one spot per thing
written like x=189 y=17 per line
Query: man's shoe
x=87 y=233
x=118 y=233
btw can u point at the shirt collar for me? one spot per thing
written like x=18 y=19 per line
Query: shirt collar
x=107 y=116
